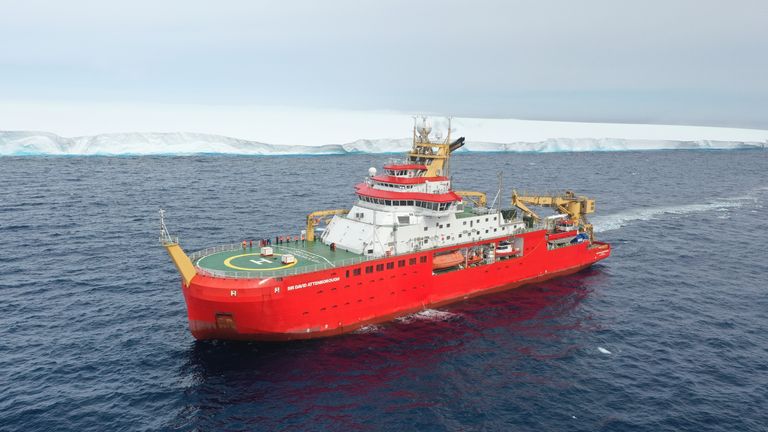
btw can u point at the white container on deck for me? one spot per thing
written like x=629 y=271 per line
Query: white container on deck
x=288 y=259
x=267 y=251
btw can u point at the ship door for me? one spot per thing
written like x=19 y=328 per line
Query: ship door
x=225 y=321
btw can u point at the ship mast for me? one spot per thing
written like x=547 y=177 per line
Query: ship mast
x=433 y=154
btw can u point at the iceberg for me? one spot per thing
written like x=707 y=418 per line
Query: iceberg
x=323 y=132
x=26 y=143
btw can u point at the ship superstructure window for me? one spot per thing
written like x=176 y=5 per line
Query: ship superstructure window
x=379 y=267
x=401 y=263
x=356 y=272
x=423 y=259
x=369 y=269
x=390 y=265
x=412 y=261
x=422 y=204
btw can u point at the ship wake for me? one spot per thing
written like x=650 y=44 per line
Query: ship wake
x=610 y=222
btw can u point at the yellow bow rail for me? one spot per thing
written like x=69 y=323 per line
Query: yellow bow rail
x=180 y=259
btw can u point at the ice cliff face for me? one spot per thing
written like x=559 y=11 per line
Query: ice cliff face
x=23 y=143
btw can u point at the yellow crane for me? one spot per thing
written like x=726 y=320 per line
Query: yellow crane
x=315 y=218
x=576 y=207
x=479 y=198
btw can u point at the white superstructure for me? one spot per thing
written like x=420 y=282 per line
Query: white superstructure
x=412 y=207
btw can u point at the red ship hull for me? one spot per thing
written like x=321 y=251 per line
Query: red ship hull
x=336 y=300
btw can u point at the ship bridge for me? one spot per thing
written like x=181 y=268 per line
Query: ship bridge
x=412 y=205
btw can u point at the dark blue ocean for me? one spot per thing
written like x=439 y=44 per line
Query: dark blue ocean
x=669 y=334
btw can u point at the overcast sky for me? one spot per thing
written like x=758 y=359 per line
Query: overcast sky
x=680 y=62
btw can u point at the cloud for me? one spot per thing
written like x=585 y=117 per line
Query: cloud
x=587 y=60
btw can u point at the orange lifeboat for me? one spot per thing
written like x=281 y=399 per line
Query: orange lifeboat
x=448 y=260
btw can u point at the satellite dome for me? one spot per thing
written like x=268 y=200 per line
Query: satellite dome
x=371 y=172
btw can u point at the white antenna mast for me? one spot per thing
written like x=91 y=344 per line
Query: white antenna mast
x=498 y=192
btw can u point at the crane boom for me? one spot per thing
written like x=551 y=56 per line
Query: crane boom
x=576 y=207
x=479 y=198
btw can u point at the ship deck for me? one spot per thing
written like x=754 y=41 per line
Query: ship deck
x=239 y=262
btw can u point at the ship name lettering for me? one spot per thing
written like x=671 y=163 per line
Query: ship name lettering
x=313 y=283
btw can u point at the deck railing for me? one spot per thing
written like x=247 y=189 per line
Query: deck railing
x=263 y=274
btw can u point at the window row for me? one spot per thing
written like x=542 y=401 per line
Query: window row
x=389 y=266
x=401 y=173
x=397 y=186
x=423 y=204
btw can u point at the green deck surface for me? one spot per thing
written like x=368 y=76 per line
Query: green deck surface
x=307 y=254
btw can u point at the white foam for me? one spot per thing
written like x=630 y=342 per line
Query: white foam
x=429 y=315
x=603 y=350
x=615 y=221
x=370 y=328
